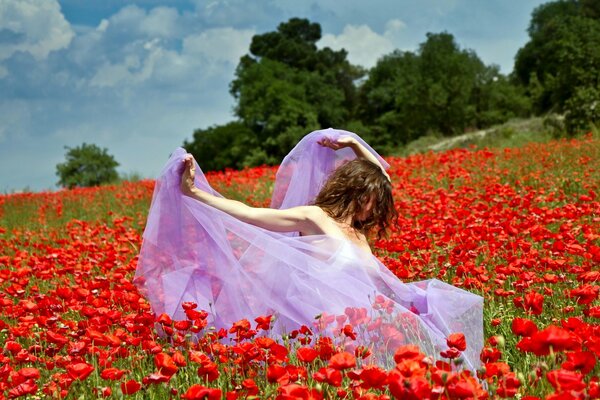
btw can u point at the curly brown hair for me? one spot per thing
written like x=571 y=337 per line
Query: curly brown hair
x=350 y=187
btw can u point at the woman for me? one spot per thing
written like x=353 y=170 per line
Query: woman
x=356 y=198
x=306 y=260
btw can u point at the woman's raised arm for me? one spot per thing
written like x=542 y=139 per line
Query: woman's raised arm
x=359 y=149
x=301 y=219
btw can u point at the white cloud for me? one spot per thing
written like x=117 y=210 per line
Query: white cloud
x=160 y=21
x=393 y=28
x=103 y=25
x=134 y=69
x=219 y=44
x=35 y=26
x=128 y=18
x=213 y=51
x=364 y=46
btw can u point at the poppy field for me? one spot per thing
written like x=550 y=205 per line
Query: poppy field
x=520 y=227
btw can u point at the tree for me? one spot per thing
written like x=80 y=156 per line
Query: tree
x=389 y=98
x=440 y=88
x=560 y=65
x=448 y=78
x=497 y=99
x=284 y=88
x=86 y=165
x=287 y=87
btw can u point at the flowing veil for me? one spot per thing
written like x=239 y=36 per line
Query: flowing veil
x=233 y=270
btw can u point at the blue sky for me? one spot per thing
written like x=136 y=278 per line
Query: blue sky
x=137 y=77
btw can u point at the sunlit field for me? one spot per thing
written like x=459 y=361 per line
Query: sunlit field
x=520 y=227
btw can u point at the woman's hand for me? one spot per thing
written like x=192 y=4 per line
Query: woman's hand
x=189 y=172
x=340 y=143
x=359 y=149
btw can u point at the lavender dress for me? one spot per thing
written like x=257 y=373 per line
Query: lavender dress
x=192 y=252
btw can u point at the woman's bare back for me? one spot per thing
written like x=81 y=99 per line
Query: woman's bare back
x=323 y=224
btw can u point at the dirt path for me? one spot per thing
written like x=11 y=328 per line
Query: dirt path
x=448 y=143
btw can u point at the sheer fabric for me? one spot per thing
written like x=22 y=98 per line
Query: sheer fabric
x=233 y=270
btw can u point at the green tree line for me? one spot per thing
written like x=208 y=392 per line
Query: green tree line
x=286 y=87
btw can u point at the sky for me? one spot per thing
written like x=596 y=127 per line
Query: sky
x=138 y=77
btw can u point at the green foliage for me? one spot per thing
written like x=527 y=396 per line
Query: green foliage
x=389 y=97
x=440 y=89
x=497 y=100
x=287 y=87
x=582 y=109
x=86 y=165
x=284 y=88
x=560 y=65
x=448 y=76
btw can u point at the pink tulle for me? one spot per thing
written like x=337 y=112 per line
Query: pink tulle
x=233 y=270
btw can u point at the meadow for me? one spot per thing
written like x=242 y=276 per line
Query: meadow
x=519 y=226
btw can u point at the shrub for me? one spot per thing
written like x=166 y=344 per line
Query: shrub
x=86 y=165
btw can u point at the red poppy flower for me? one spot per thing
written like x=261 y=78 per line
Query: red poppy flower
x=496 y=369
x=112 y=373
x=341 y=361
x=523 y=327
x=329 y=375
x=80 y=371
x=362 y=352
x=179 y=359
x=466 y=388
x=242 y=325
x=189 y=305
x=306 y=354
x=23 y=389
x=130 y=387
x=412 y=389
x=451 y=353
x=349 y=332
x=508 y=385
x=534 y=303
x=585 y=361
x=490 y=355
x=165 y=364
x=182 y=325
x=209 y=370
x=164 y=319
x=29 y=373
x=457 y=340
x=585 y=294
x=552 y=337
x=564 y=381
x=297 y=392
x=155 y=378
x=277 y=373
x=372 y=377
x=263 y=322
x=408 y=352
x=250 y=386
x=199 y=392
x=56 y=338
